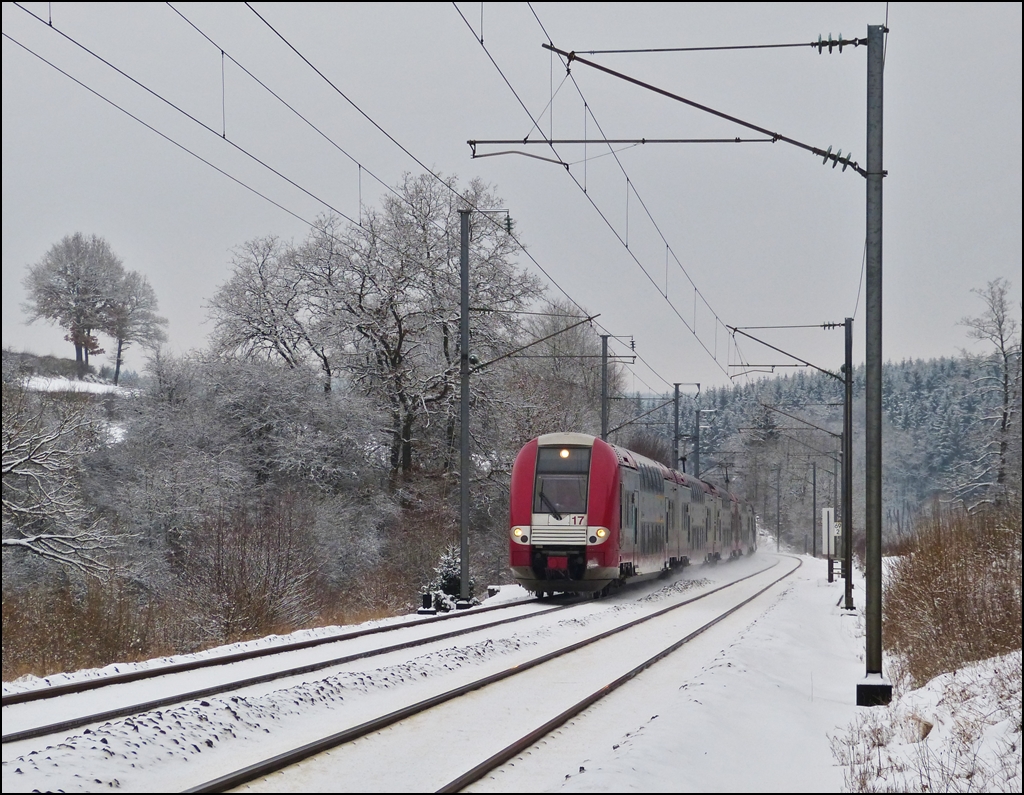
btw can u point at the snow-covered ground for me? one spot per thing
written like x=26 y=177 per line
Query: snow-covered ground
x=28 y=682
x=41 y=383
x=766 y=707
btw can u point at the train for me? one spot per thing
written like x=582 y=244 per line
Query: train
x=587 y=515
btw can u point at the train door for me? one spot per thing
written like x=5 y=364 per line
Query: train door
x=671 y=534
x=714 y=525
x=630 y=518
x=700 y=532
x=646 y=522
x=633 y=506
x=685 y=540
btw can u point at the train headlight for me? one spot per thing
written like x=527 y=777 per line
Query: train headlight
x=521 y=534
x=601 y=532
x=517 y=532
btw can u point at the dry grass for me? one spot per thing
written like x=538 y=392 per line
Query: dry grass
x=955 y=595
x=247 y=574
x=951 y=599
x=48 y=631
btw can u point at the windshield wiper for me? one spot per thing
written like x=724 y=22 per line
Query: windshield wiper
x=554 y=511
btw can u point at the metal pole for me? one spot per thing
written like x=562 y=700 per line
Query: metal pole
x=847 y=459
x=464 y=405
x=875 y=690
x=814 y=509
x=778 y=509
x=604 y=387
x=837 y=470
x=696 y=443
x=675 y=435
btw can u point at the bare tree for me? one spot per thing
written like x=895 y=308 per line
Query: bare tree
x=71 y=286
x=130 y=316
x=44 y=514
x=558 y=380
x=401 y=307
x=256 y=310
x=655 y=447
x=998 y=327
x=380 y=302
x=255 y=569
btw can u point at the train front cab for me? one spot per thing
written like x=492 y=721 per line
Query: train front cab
x=564 y=507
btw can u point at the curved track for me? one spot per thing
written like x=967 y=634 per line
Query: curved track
x=585 y=670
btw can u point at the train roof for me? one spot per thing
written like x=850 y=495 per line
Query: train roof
x=566 y=439
x=634 y=460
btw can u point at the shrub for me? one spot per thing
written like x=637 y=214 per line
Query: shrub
x=446 y=586
x=955 y=596
x=51 y=629
x=254 y=570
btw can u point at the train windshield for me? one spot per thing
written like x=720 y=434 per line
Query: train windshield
x=562 y=477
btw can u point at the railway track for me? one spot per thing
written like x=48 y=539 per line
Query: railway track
x=223 y=672
x=354 y=705
x=51 y=691
x=584 y=672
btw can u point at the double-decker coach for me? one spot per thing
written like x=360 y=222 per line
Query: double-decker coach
x=586 y=515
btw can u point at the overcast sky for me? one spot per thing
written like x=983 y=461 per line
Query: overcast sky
x=767 y=233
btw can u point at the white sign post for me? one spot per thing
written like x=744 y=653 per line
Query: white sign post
x=829 y=528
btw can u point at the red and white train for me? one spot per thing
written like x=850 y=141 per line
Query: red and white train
x=586 y=515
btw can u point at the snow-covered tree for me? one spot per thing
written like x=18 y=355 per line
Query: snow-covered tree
x=210 y=433
x=45 y=439
x=998 y=466
x=71 y=286
x=445 y=587
x=379 y=301
x=261 y=312
x=209 y=452
x=129 y=316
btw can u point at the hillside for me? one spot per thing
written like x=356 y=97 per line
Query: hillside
x=939 y=423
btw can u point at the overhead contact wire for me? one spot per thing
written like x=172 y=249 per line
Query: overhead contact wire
x=419 y=162
x=600 y=212
x=187 y=115
x=613 y=152
x=150 y=127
